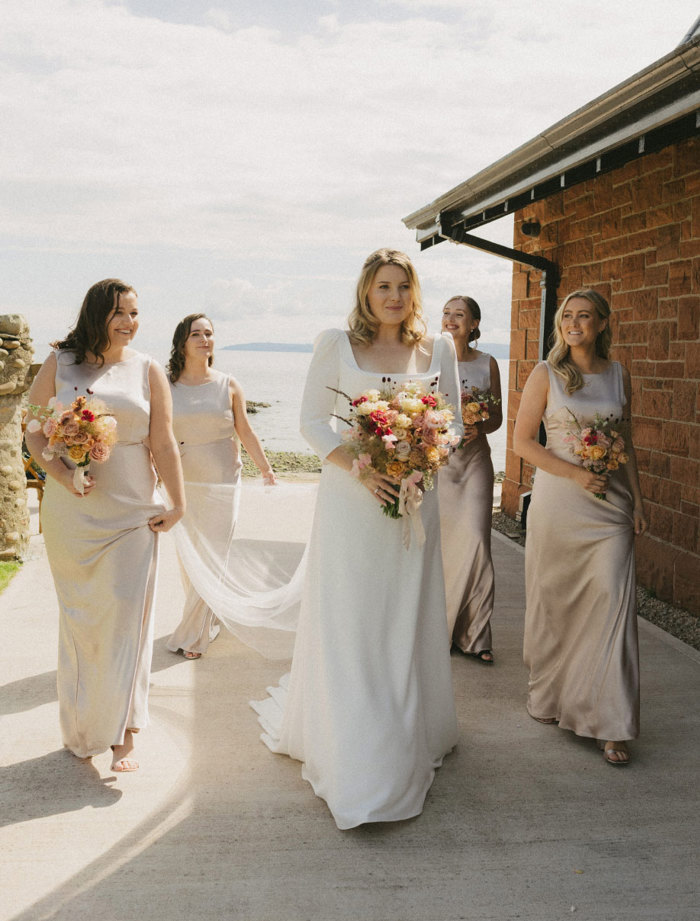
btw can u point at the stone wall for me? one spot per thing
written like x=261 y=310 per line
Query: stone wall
x=15 y=374
x=634 y=235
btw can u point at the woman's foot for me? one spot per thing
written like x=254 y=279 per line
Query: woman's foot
x=548 y=720
x=614 y=752
x=484 y=655
x=121 y=762
x=191 y=655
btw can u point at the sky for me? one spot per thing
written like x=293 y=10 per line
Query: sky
x=242 y=159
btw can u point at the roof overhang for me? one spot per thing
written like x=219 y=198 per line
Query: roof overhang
x=652 y=109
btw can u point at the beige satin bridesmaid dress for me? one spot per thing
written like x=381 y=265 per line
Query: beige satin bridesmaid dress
x=465 y=488
x=103 y=559
x=580 y=626
x=203 y=424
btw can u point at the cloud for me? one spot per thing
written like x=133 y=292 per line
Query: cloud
x=260 y=152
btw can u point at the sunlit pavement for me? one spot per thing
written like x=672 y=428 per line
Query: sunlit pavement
x=524 y=821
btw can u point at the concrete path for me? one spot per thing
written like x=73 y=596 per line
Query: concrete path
x=523 y=822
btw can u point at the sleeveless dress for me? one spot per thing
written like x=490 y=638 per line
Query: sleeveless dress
x=103 y=560
x=368 y=707
x=580 y=625
x=252 y=587
x=466 y=504
x=204 y=430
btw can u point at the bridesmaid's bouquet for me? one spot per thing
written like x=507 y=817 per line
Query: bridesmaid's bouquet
x=600 y=447
x=475 y=405
x=86 y=431
x=401 y=431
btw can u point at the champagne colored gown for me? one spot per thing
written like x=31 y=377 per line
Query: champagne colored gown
x=580 y=625
x=103 y=559
x=368 y=707
x=252 y=587
x=204 y=430
x=466 y=507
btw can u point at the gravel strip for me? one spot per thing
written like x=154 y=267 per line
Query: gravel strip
x=676 y=621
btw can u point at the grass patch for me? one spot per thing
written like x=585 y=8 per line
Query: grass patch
x=283 y=462
x=7 y=570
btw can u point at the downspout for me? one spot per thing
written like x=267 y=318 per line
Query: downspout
x=549 y=281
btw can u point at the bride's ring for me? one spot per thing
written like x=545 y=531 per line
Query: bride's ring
x=376 y=491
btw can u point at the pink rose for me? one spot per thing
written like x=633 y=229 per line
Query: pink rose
x=99 y=452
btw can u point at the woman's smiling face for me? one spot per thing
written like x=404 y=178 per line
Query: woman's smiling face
x=581 y=323
x=389 y=297
x=200 y=339
x=123 y=322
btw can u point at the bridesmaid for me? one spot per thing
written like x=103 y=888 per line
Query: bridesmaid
x=209 y=411
x=102 y=545
x=580 y=625
x=466 y=494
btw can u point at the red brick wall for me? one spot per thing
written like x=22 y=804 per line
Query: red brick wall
x=634 y=235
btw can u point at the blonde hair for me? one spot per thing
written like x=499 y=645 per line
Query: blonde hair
x=362 y=323
x=559 y=358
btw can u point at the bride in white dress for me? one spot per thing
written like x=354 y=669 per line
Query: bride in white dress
x=368 y=706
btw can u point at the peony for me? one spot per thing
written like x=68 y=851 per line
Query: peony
x=70 y=427
x=403 y=450
x=76 y=453
x=432 y=455
x=411 y=405
x=395 y=468
x=596 y=452
x=50 y=427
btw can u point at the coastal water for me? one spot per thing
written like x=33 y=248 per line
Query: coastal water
x=278 y=378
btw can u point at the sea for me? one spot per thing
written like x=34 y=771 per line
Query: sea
x=277 y=378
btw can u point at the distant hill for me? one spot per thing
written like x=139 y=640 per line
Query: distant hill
x=497 y=349
x=269 y=347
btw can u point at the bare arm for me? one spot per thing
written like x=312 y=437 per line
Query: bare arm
x=495 y=419
x=630 y=468
x=164 y=450
x=249 y=439
x=525 y=437
x=42 y=390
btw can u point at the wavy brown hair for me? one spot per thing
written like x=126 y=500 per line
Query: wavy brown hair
x=362 y=322
x=90 y=335
x=176 y=365
x=559 y=358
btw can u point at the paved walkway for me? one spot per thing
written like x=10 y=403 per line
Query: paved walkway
x=523 y=822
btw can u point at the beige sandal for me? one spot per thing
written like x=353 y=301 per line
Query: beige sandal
x=613 y=751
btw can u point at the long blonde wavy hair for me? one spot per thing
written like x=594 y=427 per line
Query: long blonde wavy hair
x=362 y=323
x=559 y=358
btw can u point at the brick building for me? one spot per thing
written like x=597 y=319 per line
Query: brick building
x=609 y=198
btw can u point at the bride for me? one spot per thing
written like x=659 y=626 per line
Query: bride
x=368 y=706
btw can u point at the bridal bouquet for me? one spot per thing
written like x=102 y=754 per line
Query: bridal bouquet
x=84 y=432
x=600 y=447
x=403 y=432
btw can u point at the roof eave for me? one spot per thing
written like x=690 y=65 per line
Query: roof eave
x=589 y=130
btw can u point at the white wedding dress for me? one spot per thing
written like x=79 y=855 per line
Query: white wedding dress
x=368 y=706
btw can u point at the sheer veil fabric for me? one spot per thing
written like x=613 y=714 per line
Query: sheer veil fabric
x=252 y=587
